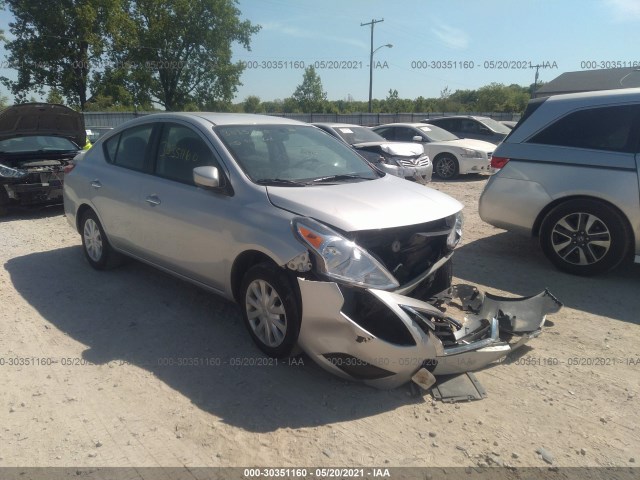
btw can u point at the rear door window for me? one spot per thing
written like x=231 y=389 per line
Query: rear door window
x=129 y=149
x=605 y=128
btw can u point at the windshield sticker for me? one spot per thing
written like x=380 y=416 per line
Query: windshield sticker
x=425 y=129
x=345 y=130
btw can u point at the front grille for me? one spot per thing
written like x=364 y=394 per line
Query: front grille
x=413 y=162
x=407 y=251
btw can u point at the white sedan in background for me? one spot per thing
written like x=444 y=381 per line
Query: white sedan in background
x=451 y=155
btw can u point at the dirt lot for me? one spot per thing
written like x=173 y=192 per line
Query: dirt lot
x=112 y=397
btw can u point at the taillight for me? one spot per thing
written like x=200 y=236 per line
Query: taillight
x=68 y=167
x=498 y=162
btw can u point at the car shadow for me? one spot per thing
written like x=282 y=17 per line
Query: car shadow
x=192 y=340
x=516 y=264
x=32 y=212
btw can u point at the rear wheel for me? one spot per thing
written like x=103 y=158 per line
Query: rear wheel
x=584 y=237
x=97 y=249
x=446 y=167
x=270 y=310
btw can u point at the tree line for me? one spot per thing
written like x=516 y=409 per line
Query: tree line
x=309 y=97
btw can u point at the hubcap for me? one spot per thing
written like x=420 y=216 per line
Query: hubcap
x=92 y=240
x=266 y=313
x=581 y=239
x=445 y=167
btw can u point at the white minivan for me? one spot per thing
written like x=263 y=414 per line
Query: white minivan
x=568 y=173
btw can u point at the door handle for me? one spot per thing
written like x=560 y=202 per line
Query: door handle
x=152 y=200
x=96 y=184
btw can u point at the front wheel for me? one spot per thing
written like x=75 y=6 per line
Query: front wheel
x=446 y=167
x=584 y=237
x=270 y=310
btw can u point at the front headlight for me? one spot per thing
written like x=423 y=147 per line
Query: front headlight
x=342 y=259
x=468 y=152
x=456 y=232
x=8 y=172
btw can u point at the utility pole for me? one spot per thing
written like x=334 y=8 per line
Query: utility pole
x=535 y=81
x=372 y=23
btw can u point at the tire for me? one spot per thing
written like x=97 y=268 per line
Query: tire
x=446 y=167
x=96 y=246
x=4 y=202
x=585 y=237
x=267 y=299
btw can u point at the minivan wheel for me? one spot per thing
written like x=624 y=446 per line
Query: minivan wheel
x=446 y=167
x=584 y=237
x=97 y=249
x=270 y=310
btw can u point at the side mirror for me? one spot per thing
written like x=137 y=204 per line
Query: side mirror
x=417 y=138
x=206 y=177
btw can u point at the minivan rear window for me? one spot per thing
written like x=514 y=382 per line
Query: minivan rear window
x=612 y=128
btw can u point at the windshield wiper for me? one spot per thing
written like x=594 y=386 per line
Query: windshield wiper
x=280 y=181
x=337 y=178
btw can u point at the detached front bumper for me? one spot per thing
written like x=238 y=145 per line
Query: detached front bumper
x=407 y=337
x=421 y=174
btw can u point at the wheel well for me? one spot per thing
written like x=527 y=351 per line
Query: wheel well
x=535 y=231
x=242 y=263
x=443 y=154
x=80 y=213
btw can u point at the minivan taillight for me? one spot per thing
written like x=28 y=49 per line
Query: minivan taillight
x=498 y=162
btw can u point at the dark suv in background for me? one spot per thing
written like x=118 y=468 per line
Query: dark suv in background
x=468 y=126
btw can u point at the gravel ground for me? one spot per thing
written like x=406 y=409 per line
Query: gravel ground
x=132 y=367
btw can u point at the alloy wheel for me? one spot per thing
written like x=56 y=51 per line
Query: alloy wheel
x=580 y=238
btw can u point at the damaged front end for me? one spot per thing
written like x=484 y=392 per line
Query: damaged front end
x=386 y=339
x=32 y=182
x=380 y=307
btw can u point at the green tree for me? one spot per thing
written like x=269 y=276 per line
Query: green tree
x=180 y=51
x=309 y=94
x=54 y=96
x=252 y=105
x=57 y=43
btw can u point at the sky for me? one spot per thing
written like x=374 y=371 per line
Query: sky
x=436 y=44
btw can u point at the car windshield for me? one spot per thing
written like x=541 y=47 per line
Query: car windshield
x=292 y=155
x=37 y=143
x=495 y=126
x=437 y=134
x=355 y=134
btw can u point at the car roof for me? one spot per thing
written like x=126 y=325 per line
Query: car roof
x=474 y=117
x=415 y=124
x=336 y=125
x=225 y=118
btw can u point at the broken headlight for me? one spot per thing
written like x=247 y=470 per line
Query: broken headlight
x=341 y=259
x=456 y=232
x=8 y=172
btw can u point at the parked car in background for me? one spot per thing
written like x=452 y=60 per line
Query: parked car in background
x=402 y=159
x=472 y=126
x=451 y=156
x=509 y=123
x=568 y=173
x=317 y=246
x=37 y=142
x=94 y=133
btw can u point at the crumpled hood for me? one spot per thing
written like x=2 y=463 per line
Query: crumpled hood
x=401 y=149
x=480 y=145
x=371 y=204
x=28 y=119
